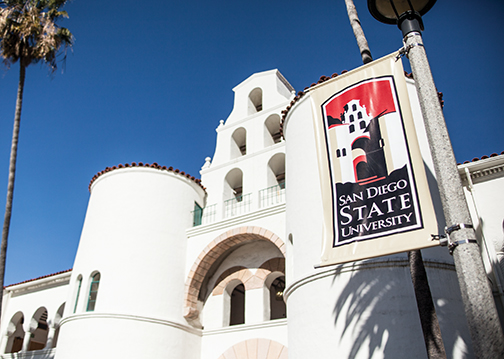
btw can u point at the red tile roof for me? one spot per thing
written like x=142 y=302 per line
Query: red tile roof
x=484 y=157
x=141 y=164
x=34 y=279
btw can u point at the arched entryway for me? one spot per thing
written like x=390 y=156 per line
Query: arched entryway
x=210 y=258
x=259 y=348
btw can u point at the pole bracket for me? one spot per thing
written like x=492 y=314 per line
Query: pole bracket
x=404 y=51
x=444 y=239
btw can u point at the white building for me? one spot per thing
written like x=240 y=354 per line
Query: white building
x=167 y=268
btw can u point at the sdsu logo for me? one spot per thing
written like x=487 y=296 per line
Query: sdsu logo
x=373 y=188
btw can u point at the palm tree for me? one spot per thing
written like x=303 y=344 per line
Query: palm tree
x=358 y=32
x=28 y=34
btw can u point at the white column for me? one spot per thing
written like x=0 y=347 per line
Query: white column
x=50 y=337
x=5 y=340
x=254 y=306
x=26 y=341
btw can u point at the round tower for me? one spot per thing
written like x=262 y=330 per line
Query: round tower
x=127 y=285
x=361 y=309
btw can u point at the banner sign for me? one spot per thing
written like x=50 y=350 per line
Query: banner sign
x=375 y=192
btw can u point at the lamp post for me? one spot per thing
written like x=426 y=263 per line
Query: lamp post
x=480 y=310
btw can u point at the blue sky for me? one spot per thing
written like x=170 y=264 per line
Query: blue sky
x=149 y=81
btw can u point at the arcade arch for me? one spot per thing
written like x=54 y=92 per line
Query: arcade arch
x=255 y=101
x=200 y=283
x=15 y=333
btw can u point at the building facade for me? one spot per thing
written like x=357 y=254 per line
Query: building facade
x=169 y=266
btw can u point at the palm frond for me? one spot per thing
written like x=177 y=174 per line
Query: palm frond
x=29 y=33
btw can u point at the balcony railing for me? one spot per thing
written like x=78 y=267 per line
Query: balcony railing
x=32 y=354
x=205 y=215
x=272 y=195
x=209 y=214
x=236 y=206
x=240 y=205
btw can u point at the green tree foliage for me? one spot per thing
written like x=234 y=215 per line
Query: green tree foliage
x=28 y=34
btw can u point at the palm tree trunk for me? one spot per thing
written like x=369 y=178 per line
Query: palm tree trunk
x=12 y=175
x=359 y=34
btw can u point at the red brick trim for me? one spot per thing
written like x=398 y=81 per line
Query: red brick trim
x=259 y=348
x=212 y=252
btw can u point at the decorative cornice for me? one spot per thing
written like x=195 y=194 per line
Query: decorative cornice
x=245 y=327
x=235 y=221
x=476 y=159
x=53 y=279
x=95 y=315
x=480 y=168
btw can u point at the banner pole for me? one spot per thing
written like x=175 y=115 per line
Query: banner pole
x=480 y=310
x=426 y=310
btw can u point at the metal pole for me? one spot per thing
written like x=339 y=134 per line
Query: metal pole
x=481 y=313
x=426 y=310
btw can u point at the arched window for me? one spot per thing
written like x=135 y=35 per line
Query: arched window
x=255 y=103
x=276 y=166
x=277 y=303
x=39 y=330
x=237 y=312
x=15 y=333
x=235 y=201
x=234 y=184
x=79 y=285
x=239 y=143
x=93 y=292
x=57 y=319
x=275 y=192
x=272 y=125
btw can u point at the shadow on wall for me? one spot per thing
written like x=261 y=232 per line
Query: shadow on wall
x=375 y=314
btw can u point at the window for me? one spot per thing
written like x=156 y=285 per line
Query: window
x=79 y=284
x=197 y=214
x=237 y=315
x=362 y=125
x=239 y=143
x=277 y=303
x=93 y=292
x=234 y=185
x=38 y=336
x=272 y=135
x=255 y=101
x=16 y=336
x=276 y=171
x=235 y=201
